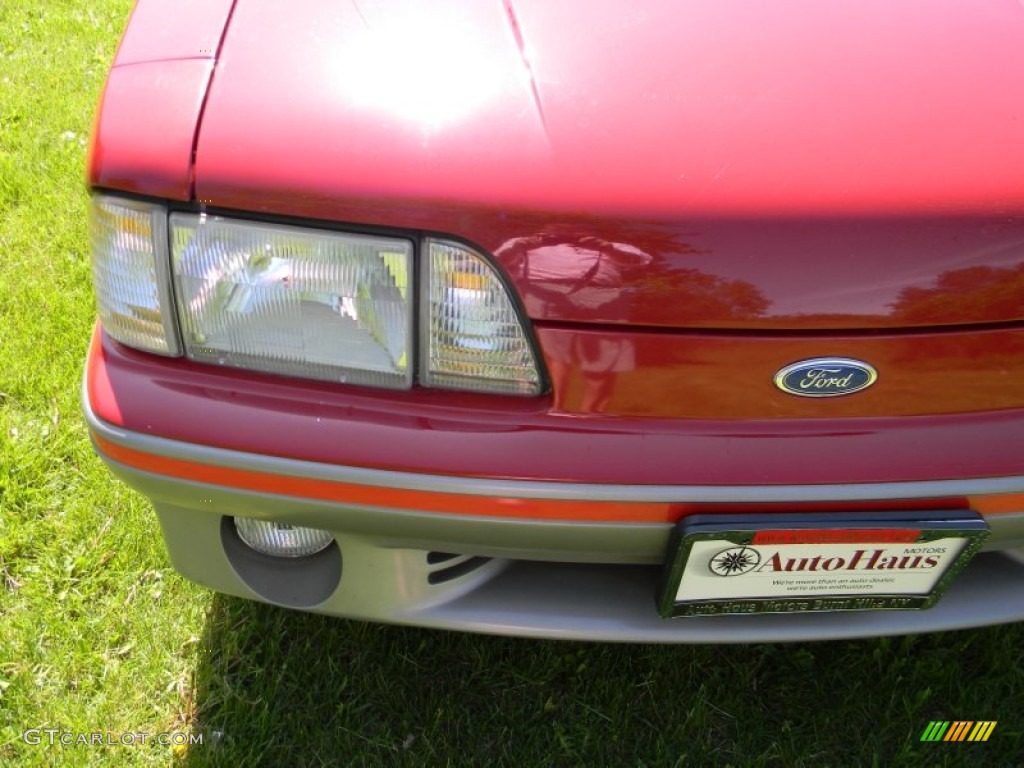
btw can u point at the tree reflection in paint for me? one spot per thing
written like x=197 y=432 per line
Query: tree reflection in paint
x=602 y=278
x=970 y=295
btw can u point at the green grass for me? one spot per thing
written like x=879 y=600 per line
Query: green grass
x=97 y=633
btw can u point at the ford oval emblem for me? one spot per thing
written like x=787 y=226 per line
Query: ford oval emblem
x=825 y=377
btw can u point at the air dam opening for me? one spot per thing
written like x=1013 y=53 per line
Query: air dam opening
x=295 y=582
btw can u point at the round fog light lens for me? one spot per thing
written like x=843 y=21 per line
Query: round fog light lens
x=281 y=539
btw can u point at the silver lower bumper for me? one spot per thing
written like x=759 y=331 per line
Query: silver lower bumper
x=541 y=578
x=385 y=574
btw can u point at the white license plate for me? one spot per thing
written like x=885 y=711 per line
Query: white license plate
x=737 y=564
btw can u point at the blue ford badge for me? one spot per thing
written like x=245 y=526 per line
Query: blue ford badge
x=825 y=377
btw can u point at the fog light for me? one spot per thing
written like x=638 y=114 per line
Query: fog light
x=281 y=539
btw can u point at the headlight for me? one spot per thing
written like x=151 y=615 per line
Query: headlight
x=292 y=300
x=129 y=267
x=474 y=336
x=306 y=302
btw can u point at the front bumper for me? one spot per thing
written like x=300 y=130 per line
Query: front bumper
x=412 y=550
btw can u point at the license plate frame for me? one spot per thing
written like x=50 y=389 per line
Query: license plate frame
x=695 y=583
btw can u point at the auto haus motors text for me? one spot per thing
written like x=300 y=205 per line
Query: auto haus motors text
x=912 y=559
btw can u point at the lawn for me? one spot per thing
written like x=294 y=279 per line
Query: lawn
x=99 y=635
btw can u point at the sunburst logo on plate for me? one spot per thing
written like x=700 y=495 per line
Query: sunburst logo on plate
x=734 y=561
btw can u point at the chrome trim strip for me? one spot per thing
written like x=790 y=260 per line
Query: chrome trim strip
x=193 y=505
x=583 y=541
x=529 y=489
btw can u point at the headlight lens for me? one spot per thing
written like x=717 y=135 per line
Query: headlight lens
x=474 y=337
x=291 y=300
x=306 y=302
x=129 y=267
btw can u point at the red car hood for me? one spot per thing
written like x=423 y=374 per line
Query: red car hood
x=682 y=164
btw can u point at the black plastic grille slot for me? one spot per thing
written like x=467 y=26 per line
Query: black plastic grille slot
x=433 y=558
x=455 y=566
